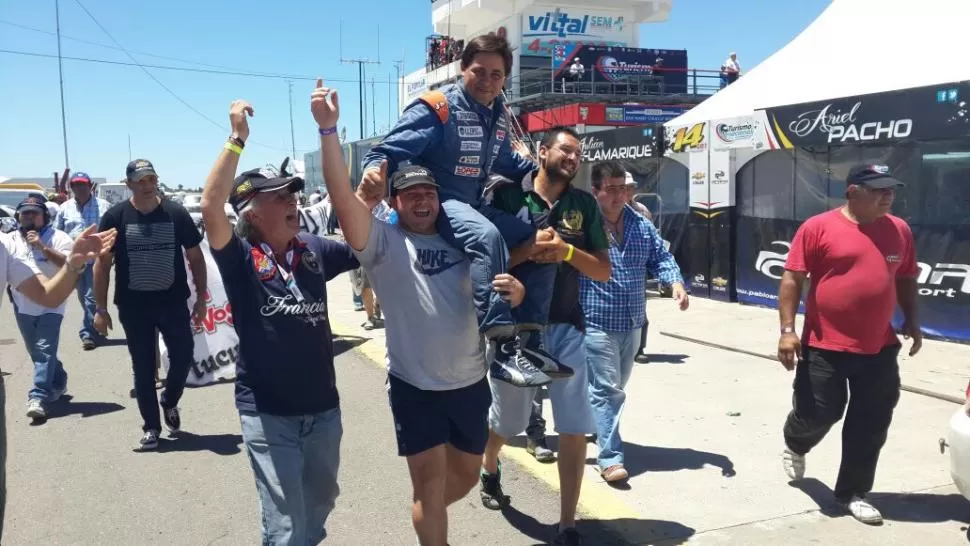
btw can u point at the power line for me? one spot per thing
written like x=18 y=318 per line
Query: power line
x=159 y=82
x=182 y=68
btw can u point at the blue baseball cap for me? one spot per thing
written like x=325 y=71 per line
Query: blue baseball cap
x=80 y=178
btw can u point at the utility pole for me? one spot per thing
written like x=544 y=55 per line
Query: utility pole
x=373 y=107
x=399 y=65
x=129 y=147
x=60 y=73
x=360 y=62
x=289 y=84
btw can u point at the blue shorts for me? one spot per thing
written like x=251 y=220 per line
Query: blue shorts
x=426 y=419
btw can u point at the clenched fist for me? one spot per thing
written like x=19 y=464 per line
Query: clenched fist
x=239 y=110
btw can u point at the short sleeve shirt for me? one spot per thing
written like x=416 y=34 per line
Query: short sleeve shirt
x=149 y=265
x=852 y=272
x=576 y=217
x=12 y=270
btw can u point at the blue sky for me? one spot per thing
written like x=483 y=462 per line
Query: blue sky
x=106 y=103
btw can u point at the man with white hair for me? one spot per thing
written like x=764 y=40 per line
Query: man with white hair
x=286 y=391
x=730 y=70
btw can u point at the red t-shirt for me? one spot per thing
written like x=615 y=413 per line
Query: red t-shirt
x=852 y=274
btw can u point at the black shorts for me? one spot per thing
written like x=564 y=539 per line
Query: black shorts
x=426 y=419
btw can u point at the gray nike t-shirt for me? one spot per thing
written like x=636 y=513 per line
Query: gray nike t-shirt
x=425 y=289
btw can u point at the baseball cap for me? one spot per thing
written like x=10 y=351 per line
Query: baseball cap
x=34 y=201
x=80 y=178
x=874 y=176
x=629 y=180
x=262 y=180
x=139 y=169
x=411 y=176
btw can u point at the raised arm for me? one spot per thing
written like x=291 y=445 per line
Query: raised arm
x=354 y=216
x=218 y=185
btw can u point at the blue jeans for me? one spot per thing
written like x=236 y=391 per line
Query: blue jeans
x=484 y=235
x=85 y=295
x=295 y=460
x=41 y=334
x=609 y=356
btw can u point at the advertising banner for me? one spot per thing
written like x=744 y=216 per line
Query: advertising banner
x=932 y=112
x=628 y=143
x=944 y=271
x=622 y=64
x=113 y=193
x=686 y=138
x=543 y=30
x=740 y=132
x=216 y=343
x=642 y=114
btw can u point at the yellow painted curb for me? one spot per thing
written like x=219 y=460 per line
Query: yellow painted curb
x=596 y=500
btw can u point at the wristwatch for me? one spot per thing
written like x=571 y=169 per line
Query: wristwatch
x=788 y=329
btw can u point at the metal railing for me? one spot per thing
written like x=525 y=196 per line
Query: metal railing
x=537 y=81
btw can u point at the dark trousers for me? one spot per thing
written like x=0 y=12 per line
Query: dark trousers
x=643 y=337
x=484 y=235
x=820 y=397
x=173 y=322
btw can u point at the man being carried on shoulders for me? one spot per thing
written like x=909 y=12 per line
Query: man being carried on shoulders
x=462 y=135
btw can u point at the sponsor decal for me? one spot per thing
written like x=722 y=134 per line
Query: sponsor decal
x=470 y=131
x=614 y=114
x=471 y=146
x=500 y=135
x=692 y=138
x=572 y=220
x=728 y=132
x=466 y=116
x=698 y=177
x=720 y=177
x=594 y=149
x=558 y=23
x=468 y=171
x=470 y=159
x=310 y=312
x=495 y=149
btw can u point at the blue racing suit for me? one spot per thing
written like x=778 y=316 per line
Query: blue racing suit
x=461 y=150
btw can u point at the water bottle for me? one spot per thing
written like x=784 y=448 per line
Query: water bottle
x=392 y=217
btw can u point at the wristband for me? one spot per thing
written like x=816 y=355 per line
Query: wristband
x=232 y=147
x=569 y=253
x=101 y=311
x=328 y=131
x=76 y=270
x=237 y=141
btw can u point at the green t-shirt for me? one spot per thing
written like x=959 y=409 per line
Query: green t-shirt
x=576 y=217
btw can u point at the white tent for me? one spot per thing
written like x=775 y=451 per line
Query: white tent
x=854 y=47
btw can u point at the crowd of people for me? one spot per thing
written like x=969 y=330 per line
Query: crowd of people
x=443 y=50
x=497 y=276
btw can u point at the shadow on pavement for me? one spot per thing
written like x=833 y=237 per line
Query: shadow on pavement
x=343 y=344
x=67 y=406
x=658 y=358
x=911 y=507
x=639 y=459
x=220 y=444
x=614 y=532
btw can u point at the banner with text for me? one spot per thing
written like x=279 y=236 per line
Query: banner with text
x=944 y=271
x=544 y=30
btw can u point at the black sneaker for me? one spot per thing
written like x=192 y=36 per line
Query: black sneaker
x=532 y=348
x=539 y=450
x=642 y=358
x=493 y=497
x=509 y=364
x=149 y=440
x=569 y=537
x=88 y=344
x=173 y=421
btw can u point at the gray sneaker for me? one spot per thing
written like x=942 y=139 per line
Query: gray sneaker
x=539 y=450
x=35 y=409
x=149 y=440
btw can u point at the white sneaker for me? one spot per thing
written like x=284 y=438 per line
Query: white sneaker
x=35 y=409
x=794 y=464
x=862 y=511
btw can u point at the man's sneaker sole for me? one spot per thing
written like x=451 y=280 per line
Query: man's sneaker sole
x=36 y=412
x=547 y=364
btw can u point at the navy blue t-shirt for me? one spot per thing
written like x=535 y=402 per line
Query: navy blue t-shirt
x=285 y=364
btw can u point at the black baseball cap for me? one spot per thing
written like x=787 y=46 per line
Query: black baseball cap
x=262 y=180
x=138 y=169
x=35 y=202
x=413 y=175
x=874 y=176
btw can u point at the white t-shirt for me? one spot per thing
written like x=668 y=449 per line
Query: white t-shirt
x=22 y=251
x=731 y=65
x=12 y=270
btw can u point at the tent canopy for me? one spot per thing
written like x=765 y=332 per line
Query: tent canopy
x=855 y=47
